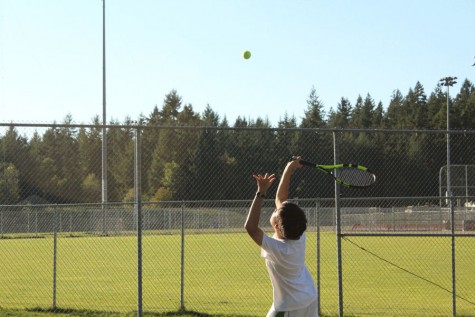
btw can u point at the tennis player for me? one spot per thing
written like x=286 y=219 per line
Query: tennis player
x=294 y=292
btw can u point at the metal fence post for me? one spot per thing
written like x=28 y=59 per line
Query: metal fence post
x=317 y=213
x=138 y=209
x=338 y=228
x=55 y=253
x=454 y=283
x=182 y=284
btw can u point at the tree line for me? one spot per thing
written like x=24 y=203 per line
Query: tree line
x=201 y=156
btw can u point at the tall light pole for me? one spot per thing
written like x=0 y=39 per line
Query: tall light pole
x=104 y=122
x=448 y=82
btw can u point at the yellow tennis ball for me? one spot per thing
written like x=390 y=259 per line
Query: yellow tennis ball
x=246 y=54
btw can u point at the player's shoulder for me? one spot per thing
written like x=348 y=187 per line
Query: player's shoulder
x=272 y=240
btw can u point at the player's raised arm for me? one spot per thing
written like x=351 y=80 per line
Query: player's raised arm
x=283 y=189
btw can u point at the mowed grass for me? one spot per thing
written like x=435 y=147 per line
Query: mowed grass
x=225 y=275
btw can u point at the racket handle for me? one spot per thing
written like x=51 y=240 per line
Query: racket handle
x=307 y=163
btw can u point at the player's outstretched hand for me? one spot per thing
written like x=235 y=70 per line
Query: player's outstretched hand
x=264 y=181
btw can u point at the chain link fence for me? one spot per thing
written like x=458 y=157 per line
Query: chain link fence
x=169 y=234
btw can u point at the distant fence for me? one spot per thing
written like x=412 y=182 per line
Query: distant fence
x=167 y=217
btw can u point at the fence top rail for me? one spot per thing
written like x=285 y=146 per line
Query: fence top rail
x=141 y=127
x=241 y=201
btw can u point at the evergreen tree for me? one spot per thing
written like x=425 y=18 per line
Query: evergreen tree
x=187 y=138
x=286 y=139
x=314 y=115
x=205 y=182
x=311 y=145
x=59 y=165
x=90 y=161
x=395 y=117
x=362 y=116
x=415 y=106
x=368 y=112
x=377 y=120
x=68 y=154
x=17 y=158
x=253 y=153
x=357 y=116
x=9 y=184
x=149 y=138
x=464 y=107
x=176 y=174
x=437 y=109
x=341 y=118
x=121 y=158
x=463 y=118
x=33 y=178
x=164 y=150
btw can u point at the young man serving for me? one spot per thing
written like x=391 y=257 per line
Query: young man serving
x=294 y=292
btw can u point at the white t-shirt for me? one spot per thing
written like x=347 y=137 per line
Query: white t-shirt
x=292 y=284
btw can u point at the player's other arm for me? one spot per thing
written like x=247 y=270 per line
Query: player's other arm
x=252 y=222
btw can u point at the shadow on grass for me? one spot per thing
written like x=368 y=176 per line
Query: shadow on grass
x=91 y=313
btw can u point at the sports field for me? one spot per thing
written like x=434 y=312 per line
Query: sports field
x=224 y=274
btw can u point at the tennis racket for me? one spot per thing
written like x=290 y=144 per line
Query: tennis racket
x=349 y=175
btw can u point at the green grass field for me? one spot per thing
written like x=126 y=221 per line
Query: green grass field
x=225 y=276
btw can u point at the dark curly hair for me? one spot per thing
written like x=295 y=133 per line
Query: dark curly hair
x=292 y=220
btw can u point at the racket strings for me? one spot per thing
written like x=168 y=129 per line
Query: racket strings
x=356 y=177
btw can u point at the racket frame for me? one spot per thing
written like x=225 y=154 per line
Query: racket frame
x=329 y=169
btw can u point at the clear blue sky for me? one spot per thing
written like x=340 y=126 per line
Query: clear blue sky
x=51 y=54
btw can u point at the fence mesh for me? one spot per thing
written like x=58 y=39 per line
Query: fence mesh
x=64 y=245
